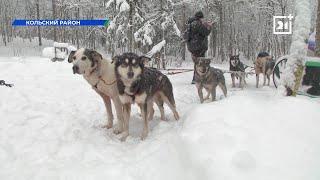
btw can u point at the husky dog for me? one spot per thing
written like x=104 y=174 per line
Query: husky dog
x=264 y=65
x=142 y=85
x=209 y=78
x=100 y=74
x=237 y=66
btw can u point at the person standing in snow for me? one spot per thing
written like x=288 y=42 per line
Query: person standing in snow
x=196 y=37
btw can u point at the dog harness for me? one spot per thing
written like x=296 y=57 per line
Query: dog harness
x=100 y=79
x=104 y=82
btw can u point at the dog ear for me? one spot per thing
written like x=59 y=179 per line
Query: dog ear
x=96 y=58
x=114 y=59
x=71 y=56
x=144 y=60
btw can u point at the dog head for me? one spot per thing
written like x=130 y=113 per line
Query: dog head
x=84 y=61
x=203 y=66
x=129 y=65
x=234 y=60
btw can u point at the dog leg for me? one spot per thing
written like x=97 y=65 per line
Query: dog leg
x=200 y=93
x=151 y=113
x=171 y=106
x=240 y=82
x=233 y=80
x=223 y=88
x=268 y=76
x=213 y=93
x=257 y=80
x=107 y=103
x=159 y=103
x=208 y=96
x=118 y=106
x=126 y=116
x=145 y=110
x=264 y=79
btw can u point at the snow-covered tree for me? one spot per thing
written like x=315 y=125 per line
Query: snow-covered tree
x=294 y=70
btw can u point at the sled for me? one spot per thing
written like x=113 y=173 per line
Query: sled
x=61 y=47
x=302 y=93
x=311 y=77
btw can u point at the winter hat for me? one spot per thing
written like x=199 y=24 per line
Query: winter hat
x=199 y=15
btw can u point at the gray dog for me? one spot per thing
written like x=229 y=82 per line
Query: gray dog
x=142 y=85
x=209 y=78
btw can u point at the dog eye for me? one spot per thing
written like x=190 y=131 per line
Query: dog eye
x=74 y=58
x=83 y=58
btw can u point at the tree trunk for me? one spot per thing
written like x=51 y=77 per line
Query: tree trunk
x=298 y=51
x=131 y=14
x=318 y=32
x=54 y=16
x=38 y=17
x=77 y=30
x=184 y=20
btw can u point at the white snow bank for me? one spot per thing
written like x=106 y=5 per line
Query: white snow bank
x=250 y=138
x=48 y=52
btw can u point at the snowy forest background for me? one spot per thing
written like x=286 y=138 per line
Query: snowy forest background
x=138 y=25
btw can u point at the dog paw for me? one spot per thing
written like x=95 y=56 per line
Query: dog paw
x=176 y=116
x=117 y=130
x=144 y=135
x=163 y=119
x=124 y=136
x=108 y=126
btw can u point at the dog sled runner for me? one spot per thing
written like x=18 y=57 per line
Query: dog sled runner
x=311 y=80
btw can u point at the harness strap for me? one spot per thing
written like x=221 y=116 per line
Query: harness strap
x=104 y=82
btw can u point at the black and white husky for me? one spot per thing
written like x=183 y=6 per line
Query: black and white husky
x=142 y=85
x=238 y=71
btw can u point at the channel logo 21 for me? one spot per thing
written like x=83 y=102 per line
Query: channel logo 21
x=282 y=24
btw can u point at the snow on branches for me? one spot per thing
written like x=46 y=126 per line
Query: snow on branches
x=145 y=34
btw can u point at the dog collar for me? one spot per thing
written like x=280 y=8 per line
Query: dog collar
x=104 y=82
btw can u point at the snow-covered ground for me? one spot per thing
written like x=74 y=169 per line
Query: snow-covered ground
x=50 y=128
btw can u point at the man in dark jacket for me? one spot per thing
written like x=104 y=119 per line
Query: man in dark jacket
x=197 y=36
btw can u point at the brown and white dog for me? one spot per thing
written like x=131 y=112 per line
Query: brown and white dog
x=263 y=65
x=100 y=74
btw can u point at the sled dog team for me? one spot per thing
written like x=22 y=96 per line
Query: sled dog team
x=125 y=80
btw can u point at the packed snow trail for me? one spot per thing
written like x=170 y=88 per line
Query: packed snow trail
x=50 y=128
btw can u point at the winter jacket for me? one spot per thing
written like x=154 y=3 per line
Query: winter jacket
x=198 y=41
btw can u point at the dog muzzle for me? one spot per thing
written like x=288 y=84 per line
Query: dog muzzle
x=75 y=69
